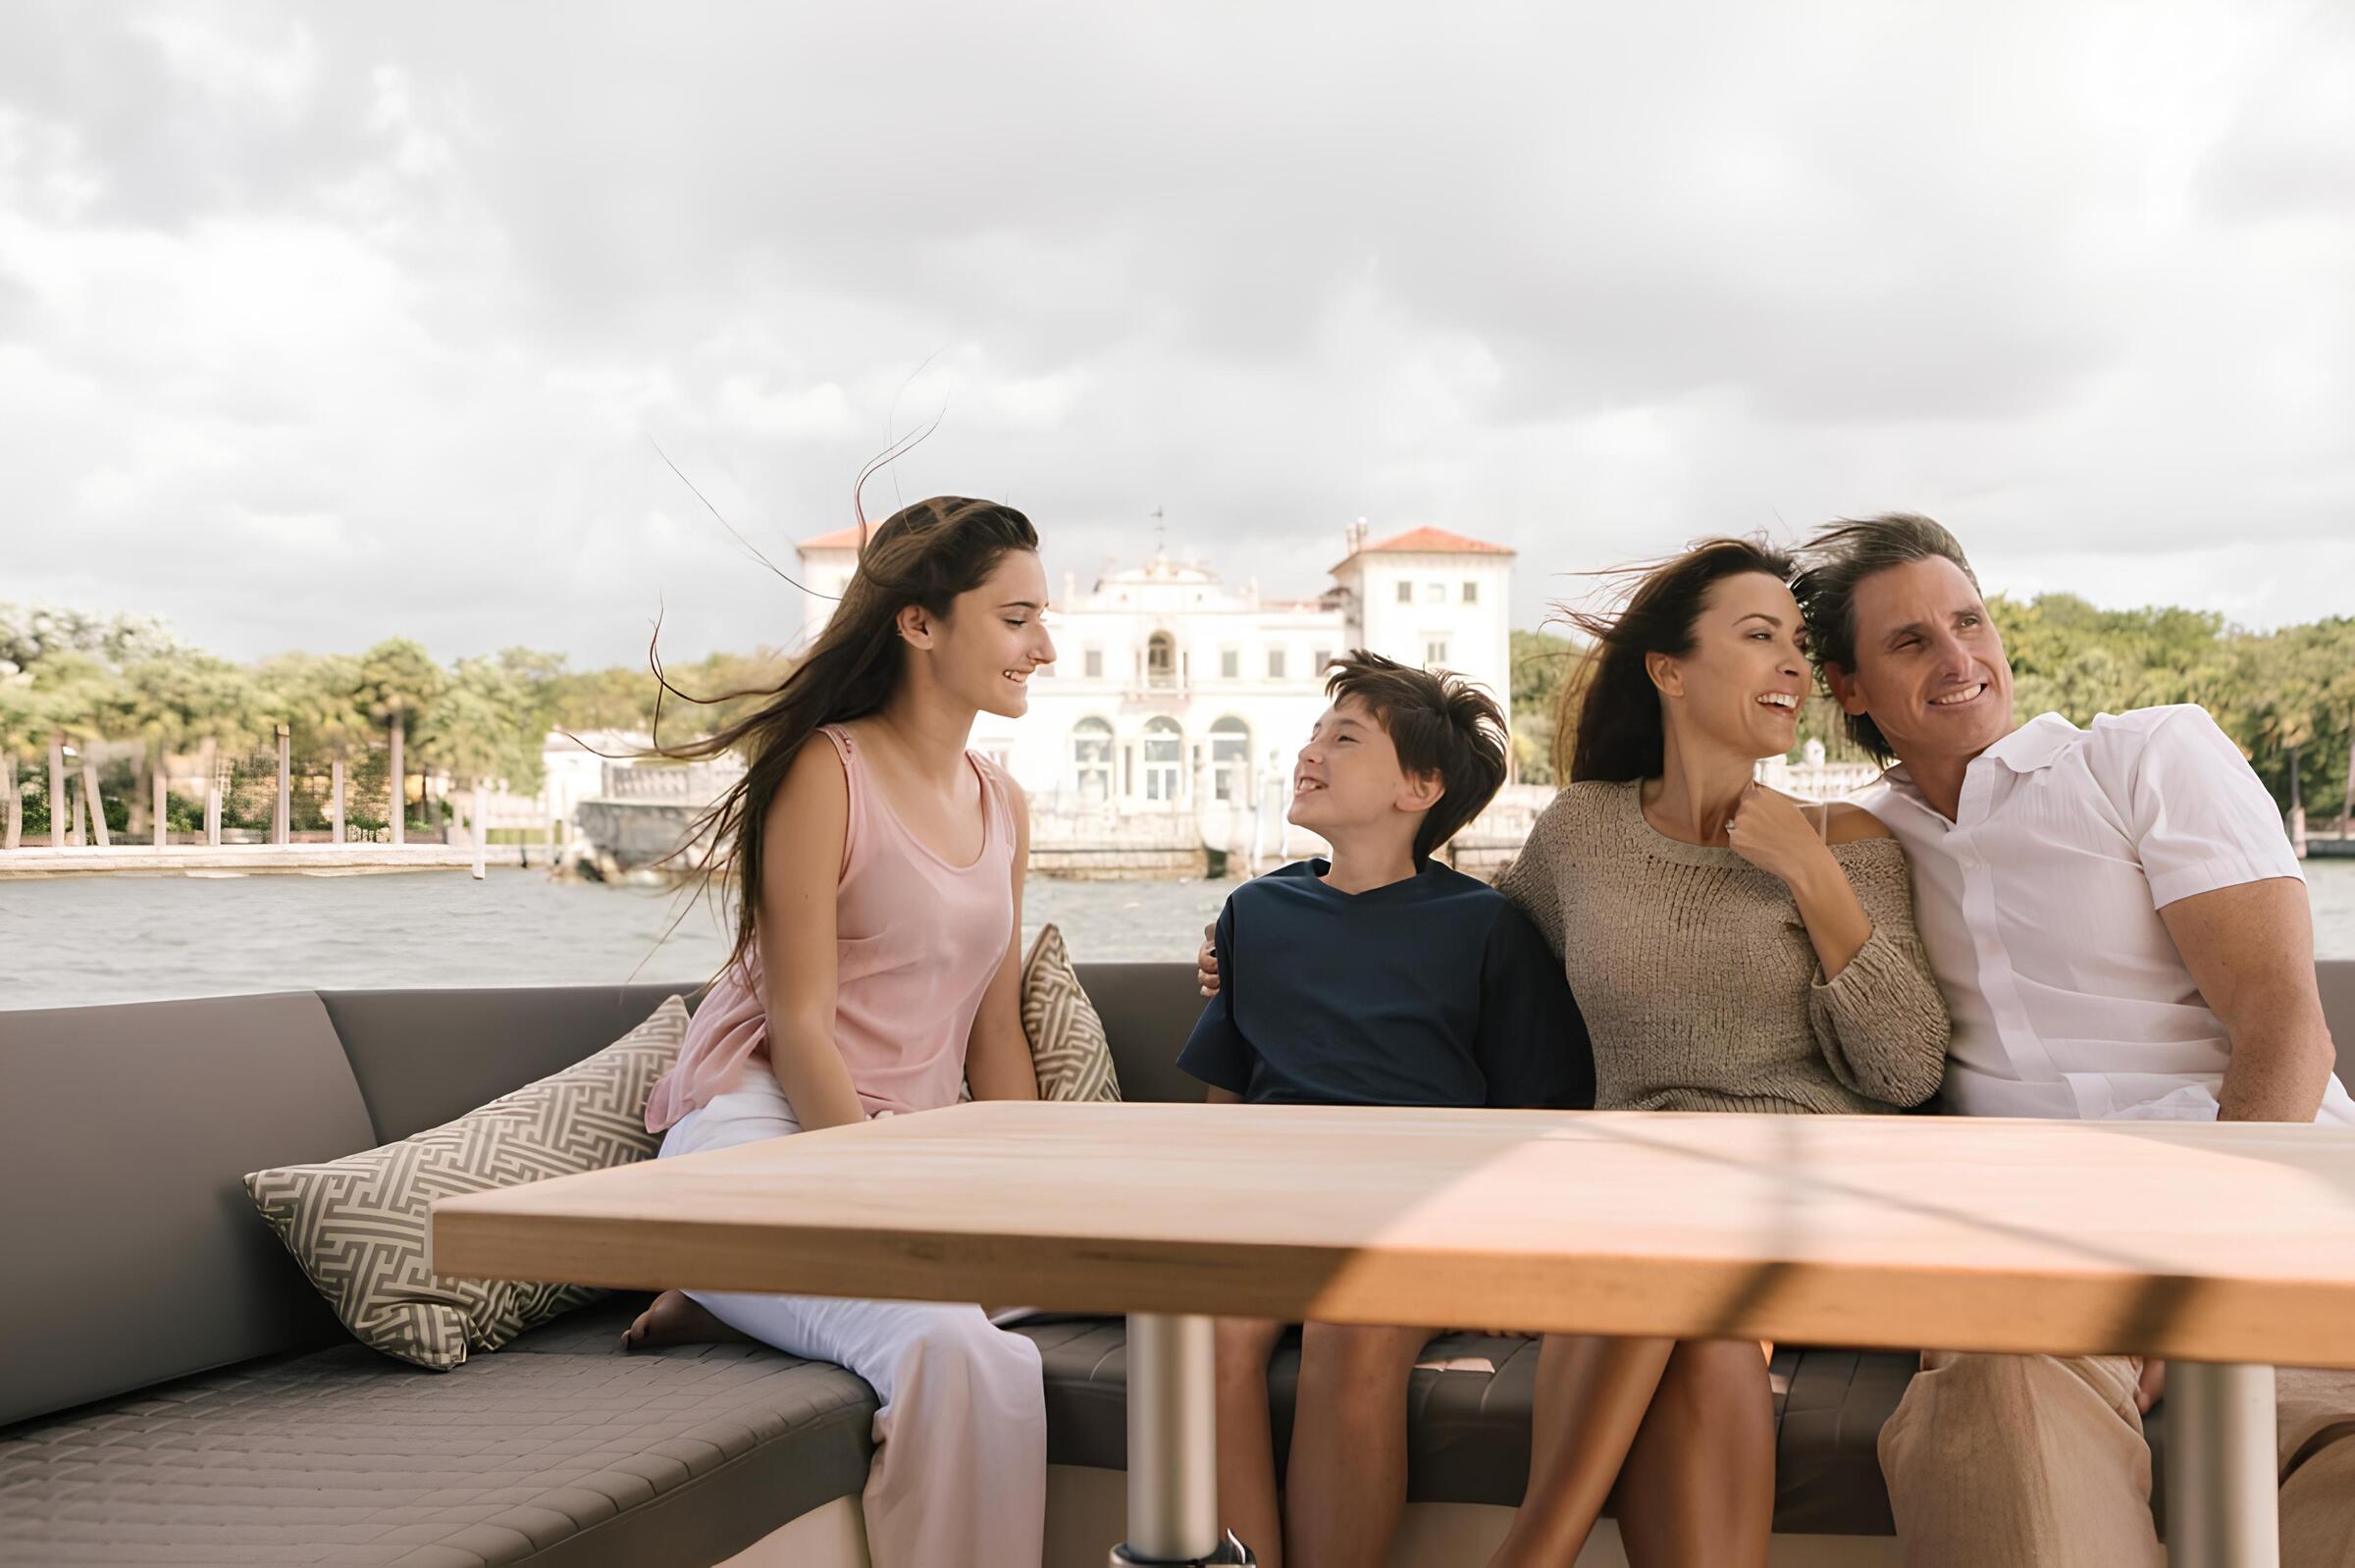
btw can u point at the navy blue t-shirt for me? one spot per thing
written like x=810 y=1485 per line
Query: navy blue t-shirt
x=1431 y=991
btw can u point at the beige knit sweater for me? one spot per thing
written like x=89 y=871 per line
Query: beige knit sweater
x=1699 y=987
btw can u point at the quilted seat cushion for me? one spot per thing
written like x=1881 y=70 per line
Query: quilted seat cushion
x=575 y=1457
x=1468 y=1412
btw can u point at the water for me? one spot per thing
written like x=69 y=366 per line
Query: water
x=67 y=941
x=77 y=940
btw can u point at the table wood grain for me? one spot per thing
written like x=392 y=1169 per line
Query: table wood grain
x=2209 y=1242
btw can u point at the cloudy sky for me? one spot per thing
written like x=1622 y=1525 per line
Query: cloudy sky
x=320 y=324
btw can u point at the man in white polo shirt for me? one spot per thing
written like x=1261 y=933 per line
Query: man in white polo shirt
x=2121 y=931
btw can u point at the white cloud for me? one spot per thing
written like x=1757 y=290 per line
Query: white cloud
x=226 y=56
x=320 y=325
x=751 y=406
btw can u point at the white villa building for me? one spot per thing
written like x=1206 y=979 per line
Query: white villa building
x=1176 y=696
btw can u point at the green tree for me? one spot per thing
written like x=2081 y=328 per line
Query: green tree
x=535 y=682
x=27 y=721
x=479 y=730
x=616 y=698
x=152 y=711
x=397 y=682
x=78 y=694
x=1543 y=664
x=319 y=698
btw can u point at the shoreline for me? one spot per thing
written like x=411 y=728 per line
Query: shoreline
x=251 y=860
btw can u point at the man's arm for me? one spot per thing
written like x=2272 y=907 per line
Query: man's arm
x=2250 y=947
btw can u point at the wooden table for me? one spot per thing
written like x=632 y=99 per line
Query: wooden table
x=2228 y=1249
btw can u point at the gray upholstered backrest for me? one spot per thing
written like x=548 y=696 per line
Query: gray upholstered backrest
x=425 y=1057
x=132 y=1254
x=1148 y=1009
x=2336 y=977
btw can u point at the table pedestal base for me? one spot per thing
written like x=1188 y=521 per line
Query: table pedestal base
x=1231 y=1553
x=1173 y=1448
x=2222 y=1481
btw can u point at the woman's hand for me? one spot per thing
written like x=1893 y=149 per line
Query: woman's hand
x=1772 y=833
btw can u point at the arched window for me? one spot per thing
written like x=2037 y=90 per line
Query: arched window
x=1161 y=659
x=1164 y=759
x=1092 y=761
x=1231 y=759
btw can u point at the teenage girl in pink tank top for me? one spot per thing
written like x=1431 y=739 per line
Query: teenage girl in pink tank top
x=877 y=867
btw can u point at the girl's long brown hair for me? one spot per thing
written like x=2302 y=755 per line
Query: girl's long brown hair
x=923 y=554
x=1607 y=723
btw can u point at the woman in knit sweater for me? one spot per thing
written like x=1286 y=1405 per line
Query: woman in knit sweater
x=1732 y=950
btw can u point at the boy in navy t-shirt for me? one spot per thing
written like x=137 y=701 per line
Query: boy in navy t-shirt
x=1380 y=977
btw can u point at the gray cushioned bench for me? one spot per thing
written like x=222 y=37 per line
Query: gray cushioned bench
x=173 y=1392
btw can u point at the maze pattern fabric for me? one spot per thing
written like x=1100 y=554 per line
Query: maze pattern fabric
x=359 y=1225
x=1068 y=1047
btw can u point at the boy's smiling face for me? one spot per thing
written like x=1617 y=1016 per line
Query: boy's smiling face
x=1347 y=777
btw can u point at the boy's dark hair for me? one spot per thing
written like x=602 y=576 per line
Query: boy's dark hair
x=1440 y=723
x=1839 y=559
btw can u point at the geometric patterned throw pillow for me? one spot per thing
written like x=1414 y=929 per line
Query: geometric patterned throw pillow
x=358 y=1226
x=1068 y=1048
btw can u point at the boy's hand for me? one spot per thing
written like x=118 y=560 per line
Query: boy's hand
x=1206 y=963
x=1774 y=835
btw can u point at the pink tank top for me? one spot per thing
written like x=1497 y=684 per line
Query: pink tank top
x=917 y=943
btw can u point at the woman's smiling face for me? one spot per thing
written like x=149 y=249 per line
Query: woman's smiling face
x=1741 y=685
x=994 y=637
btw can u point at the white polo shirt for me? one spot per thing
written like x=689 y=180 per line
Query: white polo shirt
x=2039 y=907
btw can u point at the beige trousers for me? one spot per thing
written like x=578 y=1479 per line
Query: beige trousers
x=2039 y=1462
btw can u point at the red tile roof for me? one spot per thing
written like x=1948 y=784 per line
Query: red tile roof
x=1430 y=541
x=841 y=539
x=1437 y=540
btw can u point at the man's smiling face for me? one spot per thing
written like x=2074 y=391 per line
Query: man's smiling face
x=1929 y=666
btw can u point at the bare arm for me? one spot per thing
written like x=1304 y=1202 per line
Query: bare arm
x=801 y=872
x=2250 y=948
x=997 y=1057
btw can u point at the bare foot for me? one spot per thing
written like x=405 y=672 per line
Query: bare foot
x=675 y=1319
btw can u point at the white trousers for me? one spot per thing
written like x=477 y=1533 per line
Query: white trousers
x=960 y=1474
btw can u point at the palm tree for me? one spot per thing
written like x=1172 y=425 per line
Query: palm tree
x=315 y=696
x=399 y=680
x=82 y=695
x=24 y=725
x=160 y=707
x=220 y=709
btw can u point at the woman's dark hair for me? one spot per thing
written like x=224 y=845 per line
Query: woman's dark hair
x=923 y=554
x=1440 y=723
x=1608 y=725
x=1841 y=557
